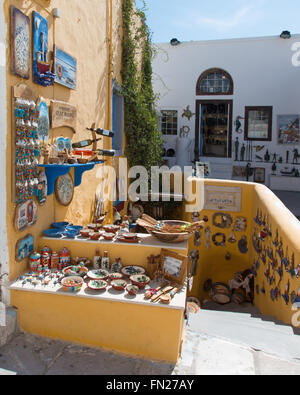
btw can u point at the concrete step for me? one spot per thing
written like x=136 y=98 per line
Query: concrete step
x=8 y=327
x=245 y=319
x=274 y=340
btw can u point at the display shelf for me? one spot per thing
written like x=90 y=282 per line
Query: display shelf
x=54 y=171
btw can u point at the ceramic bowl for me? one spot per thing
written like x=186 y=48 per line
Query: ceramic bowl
x=115 y=276
x=98 y=274
x=131 y=270
x=72 y=284
x=53 y=233
x=140 y=280
x=60 y=225
x=80 y=271
x=129 y=236
x=70 y=235
x=97 y=285
x=119 y=285
x=94 y=227
x=108 y=236
x=85 y=232
x=94 y=235
x=132 y=289
x=111 y=228
x=74 y=228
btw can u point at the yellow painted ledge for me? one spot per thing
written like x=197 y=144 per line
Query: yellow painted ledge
x=149 y=332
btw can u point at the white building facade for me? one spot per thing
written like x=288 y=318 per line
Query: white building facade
x=242 y=98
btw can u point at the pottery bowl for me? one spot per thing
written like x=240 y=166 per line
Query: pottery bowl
x=85 y=232
x=108 y=236
x=119 y=285
x=140 y=280
x=53 y=233
x=115 y=276
x=74 y=228
x=60 y=225
x=98 y=274
x=111 y=228
x=129 y=236
x=132 y=289
x=72 y=284
x=94 y=235
x=71 y=234
x=97 y=285
x=80 y=271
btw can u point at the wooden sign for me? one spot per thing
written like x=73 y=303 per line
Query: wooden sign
x=65 y=67
x=26 y=215
x=63 y=115
x=24 y=247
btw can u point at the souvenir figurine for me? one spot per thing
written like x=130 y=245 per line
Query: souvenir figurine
x=97 y=260
x=286 y=295
x=34 y=261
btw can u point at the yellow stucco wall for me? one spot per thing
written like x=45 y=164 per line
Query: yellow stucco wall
x=83 y=31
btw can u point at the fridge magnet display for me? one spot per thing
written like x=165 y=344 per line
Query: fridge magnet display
x=64 y=189
x=232 y=238
x=42 y=74
x=65 y=68
x=240 y=224
x=42 y=188
x=173 y=265
x=24 y=247
x=20 y=43
x=43 y=121
x=26 y=215
x=223 y=221
x=219 y=239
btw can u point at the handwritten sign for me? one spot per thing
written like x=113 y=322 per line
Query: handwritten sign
x=223 y=198
x=63 y=114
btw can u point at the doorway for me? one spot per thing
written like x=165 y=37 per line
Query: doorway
x=214 y=128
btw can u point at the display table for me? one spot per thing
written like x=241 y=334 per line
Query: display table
x=110 y=319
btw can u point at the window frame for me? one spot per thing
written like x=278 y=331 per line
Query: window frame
x=160 y=122
x=211 y=71
x=270 y=122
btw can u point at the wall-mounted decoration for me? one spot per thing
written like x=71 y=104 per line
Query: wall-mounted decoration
x=64 y=189
x=223 y=221
x=203 y=169
x=20 y=43
x=195 y=216
x=197 y=238
x=42 y=74
x=243 y=245
x=26 y=215
x=173 y=265
x=232 y=238
x=24 y=247
x=219 y=239
x=240 y=224
x=63 y=115
x=222 y=198
x=65 y=68
x=187 y=113
x=194 y=260
x=43 y=121
x=25 y=151
x=259 y=175
x=207 y=238
x=288 y=129
x=42 y=188
x=239 y=171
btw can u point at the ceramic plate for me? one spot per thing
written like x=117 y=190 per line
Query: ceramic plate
x=98 y=274
x=131 y=270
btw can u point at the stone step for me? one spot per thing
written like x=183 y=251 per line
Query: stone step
x=242 y=320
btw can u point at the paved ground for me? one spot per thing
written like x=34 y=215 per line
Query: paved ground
x=291 y=200
x=202 y=355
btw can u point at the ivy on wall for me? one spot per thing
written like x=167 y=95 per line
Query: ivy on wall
x=143 y=137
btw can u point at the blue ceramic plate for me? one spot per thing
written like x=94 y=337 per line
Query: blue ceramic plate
x=60 y=225
x=52 y=233
x=73 y=228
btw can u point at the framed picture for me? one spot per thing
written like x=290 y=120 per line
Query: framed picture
x=20 y=43
x=203 y=169
x=65 y=68
x=258 y=123
x=173 y=265
x=259 y=175
x=24 y=247
x=288 y=129
x=26 y=215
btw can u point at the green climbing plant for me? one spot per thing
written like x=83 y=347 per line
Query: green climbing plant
x=143 y=137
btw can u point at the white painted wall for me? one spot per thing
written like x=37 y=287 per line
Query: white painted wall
x=3 y=133
x=262 y=71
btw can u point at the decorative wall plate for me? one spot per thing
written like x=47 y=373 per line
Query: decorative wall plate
x=24 y=247
x=26 y=215
x=64 y=189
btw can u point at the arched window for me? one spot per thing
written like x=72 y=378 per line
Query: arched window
x=214 y=82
